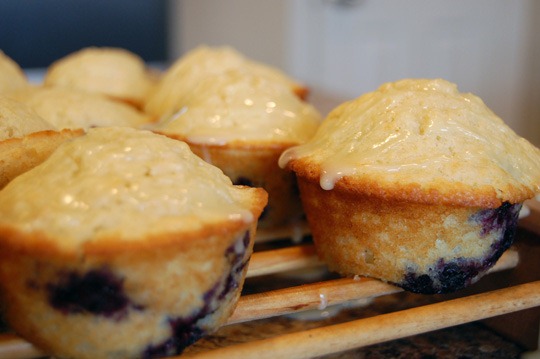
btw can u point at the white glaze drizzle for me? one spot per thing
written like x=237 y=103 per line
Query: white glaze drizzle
x=416 y=131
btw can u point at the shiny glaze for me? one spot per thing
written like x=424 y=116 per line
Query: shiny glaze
x=417 y=131
x=204 y=61
x=240 y=105
x=120 y=181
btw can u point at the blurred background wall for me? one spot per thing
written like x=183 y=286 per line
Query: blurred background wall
x=343 y=48
x=340 y=48
x=34 y=33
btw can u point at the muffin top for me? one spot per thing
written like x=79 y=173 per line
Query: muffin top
x=18 y=120
x=242 y=107
x=114 y=72
x=420 y=139
x=72 y=109
x=12 y=76
x=183 y=75
x=121 y=185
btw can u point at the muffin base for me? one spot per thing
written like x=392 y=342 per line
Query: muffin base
x=423 y=248
x=137 y=304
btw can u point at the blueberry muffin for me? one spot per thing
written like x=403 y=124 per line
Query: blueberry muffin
x=26 y=139
x=241 y=123
x=416 y=184
x=123 y=244
x=12 y=76
x=18 y=120
x=186 y=72
x=114 y=72
x=73 y=109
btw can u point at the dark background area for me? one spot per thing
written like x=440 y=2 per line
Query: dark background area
x=35 y=33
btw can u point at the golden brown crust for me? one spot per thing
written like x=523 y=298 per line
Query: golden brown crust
x=382 y=238
x=18 y=155
x=441 y=192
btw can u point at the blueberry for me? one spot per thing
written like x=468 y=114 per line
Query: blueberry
x=185 y=331
x=239 y=247
x=98 y=292
x=446 y=277
x=417 y=284
x=245 y=241
x=235 y=254
x=501 y=218
x=455 y=275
